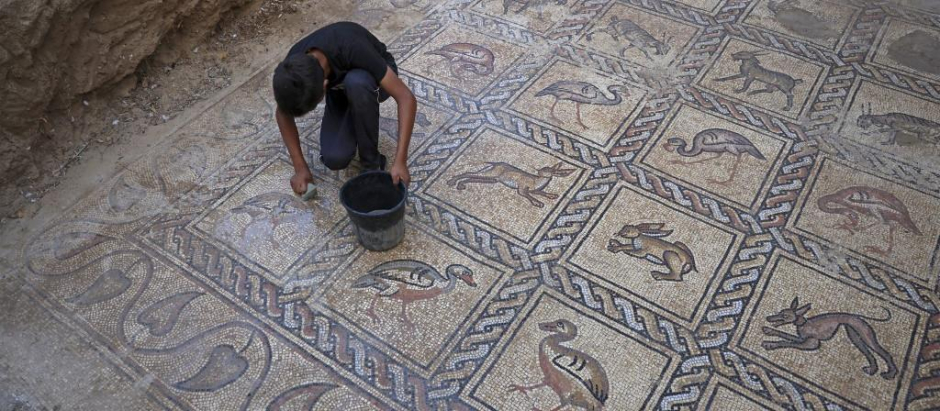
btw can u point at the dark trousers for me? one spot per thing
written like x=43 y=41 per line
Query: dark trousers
x=351 y=122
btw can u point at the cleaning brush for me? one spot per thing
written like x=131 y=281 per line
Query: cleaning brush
x=310 y=193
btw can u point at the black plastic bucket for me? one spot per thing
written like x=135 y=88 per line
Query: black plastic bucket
x=376 y=208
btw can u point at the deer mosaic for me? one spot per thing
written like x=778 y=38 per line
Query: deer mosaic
x=526 y=184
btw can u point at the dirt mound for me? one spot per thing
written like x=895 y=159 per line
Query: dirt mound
x=54 y=51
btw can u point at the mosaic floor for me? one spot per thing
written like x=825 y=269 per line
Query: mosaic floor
x=617 y=205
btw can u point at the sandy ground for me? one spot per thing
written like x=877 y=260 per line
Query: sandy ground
x=119 y=125
x=175 y=81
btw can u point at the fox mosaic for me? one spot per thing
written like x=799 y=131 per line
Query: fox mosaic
x=811 y=332
x=267 y=212
x=751 y=70
x=634 y=37
x=528 y=185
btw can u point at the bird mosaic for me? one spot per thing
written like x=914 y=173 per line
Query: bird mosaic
x=465 y=60
x=266 y=213
x=577 y=378
x=581 y=92
x=410 y=281
x=715 y=141
x=854 y=203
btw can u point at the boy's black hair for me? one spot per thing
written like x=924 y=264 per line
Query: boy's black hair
x=298 y=84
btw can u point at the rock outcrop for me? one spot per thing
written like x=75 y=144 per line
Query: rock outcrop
x=54 y=50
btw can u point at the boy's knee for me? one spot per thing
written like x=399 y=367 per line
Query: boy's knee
x=335 y=161
x=360 y=86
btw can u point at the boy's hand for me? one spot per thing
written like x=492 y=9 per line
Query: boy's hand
x=407 y=107
x=291 y=137
x=299 y=181
x=400 y=173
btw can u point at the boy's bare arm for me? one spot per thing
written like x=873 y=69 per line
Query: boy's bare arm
x=407 y=107
x=291 y=138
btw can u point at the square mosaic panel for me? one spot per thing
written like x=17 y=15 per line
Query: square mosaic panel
x=510 y=185
x=462 y=58
x=817 y=21
x=268 y=227
x=893 y=121
x=561 y=349
x=654 y=251
x=637 y=35
x=795 y=78
x=588 y=104
x=537 y=15
x=909 y=47
x=413 y=299
x=875 y=218
x=723 y=157
x=858 y=344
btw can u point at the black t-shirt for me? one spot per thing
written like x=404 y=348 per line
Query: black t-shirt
x=348 y=46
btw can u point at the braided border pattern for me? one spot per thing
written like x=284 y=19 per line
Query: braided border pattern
x=926 y=382
x=878 y=278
